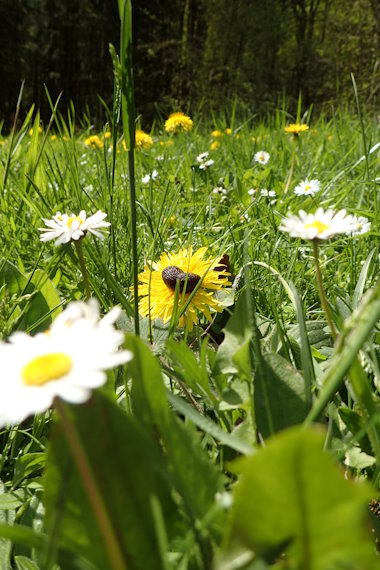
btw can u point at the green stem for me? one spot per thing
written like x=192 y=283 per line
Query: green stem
x=132 y=195
x=321 y=290
x=91 y=489
x=79 y=248
x=291 y=170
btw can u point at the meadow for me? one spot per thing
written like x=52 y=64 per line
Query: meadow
x=237 y=426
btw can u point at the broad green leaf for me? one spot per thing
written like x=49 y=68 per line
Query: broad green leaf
x=128 y=473
x=292 y=498
x=233 y=355
x=192 y=474
x=280 y=387
x=23 y=535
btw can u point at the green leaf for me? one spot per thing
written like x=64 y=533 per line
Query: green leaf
x=24 y=563
x=282 y=388
x=37 y=299
x=192 y=473
x=28 y=464
x=7 y=517
x=292 y=498
x=191 y=371
x=233 y=355
x=128 y=473
x=24 y=535
x=206 y=425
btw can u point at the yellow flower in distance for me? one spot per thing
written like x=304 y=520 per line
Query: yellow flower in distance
x=178 y=123
x=93 y=141
x=143 y=140
x=214 y=145
x=189 y=269
x=39 y=131
x=295 y=129
x=216 y=134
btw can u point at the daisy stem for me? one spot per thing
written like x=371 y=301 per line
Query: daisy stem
x=91 y=488
x=79 y=248
x=291 y=170
x=321 y=290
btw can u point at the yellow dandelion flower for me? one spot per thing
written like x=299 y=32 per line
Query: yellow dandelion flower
x=158 y=284
x=107 y=135
x=295 y=129
x=228 y=131
x=39 y=130
x=143 y=140
x=178 y=122
x=214 y=145
x=93 y=141
x=53 y=138
x=216 y=134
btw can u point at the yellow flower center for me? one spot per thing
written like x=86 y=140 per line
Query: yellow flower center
x=73 y=219
x=46 y=368
x=307 y=187
x=319 y=226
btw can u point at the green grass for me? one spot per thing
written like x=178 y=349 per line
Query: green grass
x=195 y=401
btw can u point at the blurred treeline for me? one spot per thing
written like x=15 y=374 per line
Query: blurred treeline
x=189 y=54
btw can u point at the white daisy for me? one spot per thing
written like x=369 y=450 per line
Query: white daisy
x=145 y=179
x=361 y=226
x=64 y=228
x=206 y=164
x=307 y=187
x=202 y=157
x=67 y=361
x=320 y=225
x=262 y=157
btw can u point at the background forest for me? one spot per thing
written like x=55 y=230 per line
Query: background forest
x=194 y=54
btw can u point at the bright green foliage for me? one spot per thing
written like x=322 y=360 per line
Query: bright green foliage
x=31 y=302
x=279 y=392
x=292 y=498
x=129 y=476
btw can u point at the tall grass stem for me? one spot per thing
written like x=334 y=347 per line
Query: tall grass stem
x=82 y=265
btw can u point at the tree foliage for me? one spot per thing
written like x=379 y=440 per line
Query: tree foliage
x=189 y=53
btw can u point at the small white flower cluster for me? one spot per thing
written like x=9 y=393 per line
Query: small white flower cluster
x=148 y=177
x=64 y=228
x=323 y=225
x=268 y=193
x=203 y=162
x=307 y=187
x=261 y=157
x=264 y=193
x=67 y=361
x=220 y=190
